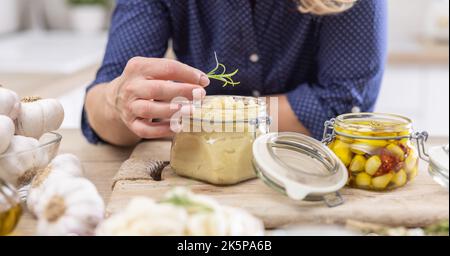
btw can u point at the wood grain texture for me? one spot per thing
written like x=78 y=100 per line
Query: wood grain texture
x=420 y=203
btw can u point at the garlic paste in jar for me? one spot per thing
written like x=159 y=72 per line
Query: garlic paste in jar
x=215 y=142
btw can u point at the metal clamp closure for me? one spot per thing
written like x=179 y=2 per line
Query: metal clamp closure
x=421 y=138
x=329 y=133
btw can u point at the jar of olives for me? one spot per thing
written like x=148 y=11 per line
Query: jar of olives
x=377 y=149
x=10 y=208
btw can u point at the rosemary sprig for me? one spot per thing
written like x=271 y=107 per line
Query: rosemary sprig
x=227 y=79
x=185 y=202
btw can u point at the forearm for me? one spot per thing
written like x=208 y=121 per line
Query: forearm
x=287 y=119
x=104 y=118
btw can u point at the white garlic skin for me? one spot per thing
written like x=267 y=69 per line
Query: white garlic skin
x=207 y=224
x=9 y=103
x=227 y=221
x=6 y=132
x=241 y=223
x=221 y=220
x=24 y=155
x=144 y=217
x=84 y=208
x=62 y=166
x=68 y=164
x=39 y=117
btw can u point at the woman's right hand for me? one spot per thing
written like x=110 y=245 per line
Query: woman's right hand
x=145 y=90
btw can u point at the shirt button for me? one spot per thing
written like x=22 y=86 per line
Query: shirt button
x=356 y=109
x=254 y=58
x=256 y=93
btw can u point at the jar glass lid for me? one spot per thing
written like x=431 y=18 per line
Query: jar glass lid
x=439 y=163
x=298 y=165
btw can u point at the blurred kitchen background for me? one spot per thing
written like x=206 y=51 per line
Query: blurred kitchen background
x=51 y=48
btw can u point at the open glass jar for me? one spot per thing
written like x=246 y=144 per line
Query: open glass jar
x=377 y=149
x=215 y=140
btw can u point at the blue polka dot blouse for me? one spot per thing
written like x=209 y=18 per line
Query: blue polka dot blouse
x=327 y=65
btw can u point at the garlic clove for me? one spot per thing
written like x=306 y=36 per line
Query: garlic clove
x=9 y=103
x=6 y=132
x=362 y=148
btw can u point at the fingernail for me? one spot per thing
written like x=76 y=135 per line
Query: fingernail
x=175 y=106
x=199 y=93
x=204 y=80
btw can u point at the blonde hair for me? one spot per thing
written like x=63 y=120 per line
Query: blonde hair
x=323 y=7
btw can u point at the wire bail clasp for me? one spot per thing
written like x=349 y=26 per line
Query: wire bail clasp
x=421 y=138
x=328 y=133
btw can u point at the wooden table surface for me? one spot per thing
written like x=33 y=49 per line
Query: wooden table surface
x=100 y=162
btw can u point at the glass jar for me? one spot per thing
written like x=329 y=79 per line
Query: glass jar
x=215 y=140
x=438 y=162
x=10 y=208
x=377 y=149
x=300 y=167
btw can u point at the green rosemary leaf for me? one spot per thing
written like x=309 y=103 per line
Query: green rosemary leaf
x=231 y=74
x=222 y=76
x=224 y=69
x=188 y=204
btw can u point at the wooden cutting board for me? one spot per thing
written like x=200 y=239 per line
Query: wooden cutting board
x=420 y=203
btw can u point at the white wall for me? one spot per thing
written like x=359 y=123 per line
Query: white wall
x=406 y=20
x=420 y=93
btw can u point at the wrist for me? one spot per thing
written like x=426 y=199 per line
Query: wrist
x=111 y=109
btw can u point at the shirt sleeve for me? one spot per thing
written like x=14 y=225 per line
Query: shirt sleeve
x=138 y=28
x=350 y=63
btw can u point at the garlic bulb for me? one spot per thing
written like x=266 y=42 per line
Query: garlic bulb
x=9 y=103
x=208 y=218
x=38 y=116
x=6 y=132
x=181 y=213
x=69 y=206
x=144 y=217
x=241 y=223
x=23 y=160
x=66 y=165
x=226 y=222
x=207 y=224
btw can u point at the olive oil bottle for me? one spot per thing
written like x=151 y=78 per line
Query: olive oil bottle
x=10 y=208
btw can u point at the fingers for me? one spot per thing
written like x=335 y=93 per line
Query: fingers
x=162 y=90
x=147 y=87
x=152 y=109
x=149 y=130
x=165 y=69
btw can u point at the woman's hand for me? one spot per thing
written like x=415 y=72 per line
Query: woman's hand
x=141 y=94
